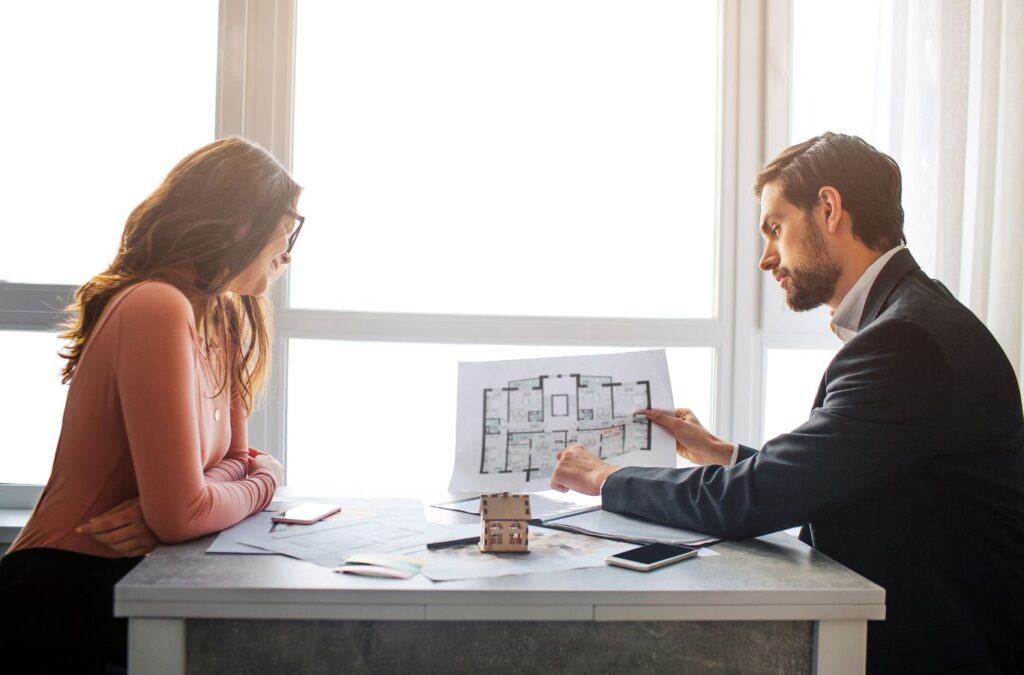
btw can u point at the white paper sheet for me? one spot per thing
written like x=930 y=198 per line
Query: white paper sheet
x=328 y=543
x=550 y=551
x=600 y=523
x=258 y=528
x=549 y=504
x=514 y=416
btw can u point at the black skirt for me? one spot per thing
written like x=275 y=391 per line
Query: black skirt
x=57 y=612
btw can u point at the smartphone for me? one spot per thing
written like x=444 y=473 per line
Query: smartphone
x=651 y=556
x=306 y=513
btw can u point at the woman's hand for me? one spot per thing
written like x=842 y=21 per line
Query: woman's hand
x=261 y=460
x=693 y=441
x=123 y=529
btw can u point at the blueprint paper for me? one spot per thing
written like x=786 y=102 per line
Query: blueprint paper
x=543 y=505
x=329 y=544
x=230 y=540
x=514 y=416
x=550 y=551
x=258 y=528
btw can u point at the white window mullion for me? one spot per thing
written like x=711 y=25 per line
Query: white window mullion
x=745 y=115
x=255 y=81
x=372 y=326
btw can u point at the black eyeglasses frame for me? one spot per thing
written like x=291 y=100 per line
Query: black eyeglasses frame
x=300 y=220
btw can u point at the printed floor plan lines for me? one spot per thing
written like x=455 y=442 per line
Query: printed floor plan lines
x=529 y=420
x=514 y=416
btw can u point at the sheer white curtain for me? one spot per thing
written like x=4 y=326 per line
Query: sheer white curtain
x=950 y=109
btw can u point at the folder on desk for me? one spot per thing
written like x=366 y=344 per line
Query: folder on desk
x=608 y=525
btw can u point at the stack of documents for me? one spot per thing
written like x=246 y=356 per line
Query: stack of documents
x=608 y=525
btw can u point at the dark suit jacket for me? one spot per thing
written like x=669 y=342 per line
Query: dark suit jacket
x=910 y=471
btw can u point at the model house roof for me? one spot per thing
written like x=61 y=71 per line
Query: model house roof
x=503 y=506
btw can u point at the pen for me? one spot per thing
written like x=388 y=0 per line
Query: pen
x=453 y=542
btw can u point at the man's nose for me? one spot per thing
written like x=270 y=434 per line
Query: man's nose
x=769 y=258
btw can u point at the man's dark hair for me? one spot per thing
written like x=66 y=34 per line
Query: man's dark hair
x=869 y=182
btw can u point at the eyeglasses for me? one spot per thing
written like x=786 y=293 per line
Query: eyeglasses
x=295 y=233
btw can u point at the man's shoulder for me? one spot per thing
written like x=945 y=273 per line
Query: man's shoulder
x=929 y=306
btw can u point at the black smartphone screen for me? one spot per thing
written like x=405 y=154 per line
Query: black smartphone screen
x=652 y=553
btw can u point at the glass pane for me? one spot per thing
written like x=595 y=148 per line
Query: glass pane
x=826 y=57
x=31 y=405
x=101 y=99
x=552 y=157
x=351 y=428
x=791 y=382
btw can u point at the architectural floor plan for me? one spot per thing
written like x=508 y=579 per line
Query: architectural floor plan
x=514 y=416
x=528 y=421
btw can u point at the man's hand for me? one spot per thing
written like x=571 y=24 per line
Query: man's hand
x=581 y=471
x=261 y=460
x=123 y=529
x=693 y=441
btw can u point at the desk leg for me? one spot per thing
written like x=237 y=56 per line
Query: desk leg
x=840 y=647
x=156 y=646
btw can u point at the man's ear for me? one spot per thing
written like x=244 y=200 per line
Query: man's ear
x=832 y=207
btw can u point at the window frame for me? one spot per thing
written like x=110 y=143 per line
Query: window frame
x=255 y=91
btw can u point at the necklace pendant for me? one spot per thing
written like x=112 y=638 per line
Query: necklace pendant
x=216 y=414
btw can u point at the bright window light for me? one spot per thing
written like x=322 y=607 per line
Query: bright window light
x=542 y=157
x=101 y=99
x=31 y=405
x=834 y=71
x=791 y=382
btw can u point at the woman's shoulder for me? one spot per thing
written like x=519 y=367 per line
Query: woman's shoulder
x=153 y=301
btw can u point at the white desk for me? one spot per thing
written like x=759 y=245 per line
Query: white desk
x=180 y=589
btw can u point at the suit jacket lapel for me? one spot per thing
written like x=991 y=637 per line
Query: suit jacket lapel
x=899 y=266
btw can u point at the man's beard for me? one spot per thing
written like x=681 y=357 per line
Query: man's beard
x=813 y=283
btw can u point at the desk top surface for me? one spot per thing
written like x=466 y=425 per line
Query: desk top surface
x=757 y=578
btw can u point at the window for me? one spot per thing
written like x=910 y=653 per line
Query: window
x=792 y=380
x=798 y=347
x=535 y=158
x=101 y=101
x=483 y=180
x=524 y=173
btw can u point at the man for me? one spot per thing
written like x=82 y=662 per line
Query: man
x=910 y=469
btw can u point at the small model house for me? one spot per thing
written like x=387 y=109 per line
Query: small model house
x=503 y=523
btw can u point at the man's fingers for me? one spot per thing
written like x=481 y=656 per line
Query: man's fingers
x=560 y=488
x=664 y=419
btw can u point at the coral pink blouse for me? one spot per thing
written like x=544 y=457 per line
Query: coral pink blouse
x=141 y=420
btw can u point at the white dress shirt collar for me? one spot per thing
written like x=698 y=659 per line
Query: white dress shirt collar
x=846 y=318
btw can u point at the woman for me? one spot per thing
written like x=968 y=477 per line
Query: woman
x=168 y=350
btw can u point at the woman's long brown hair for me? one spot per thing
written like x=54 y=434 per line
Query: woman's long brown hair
x=209 y=219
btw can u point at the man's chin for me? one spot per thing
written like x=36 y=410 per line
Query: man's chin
x=802 y=304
